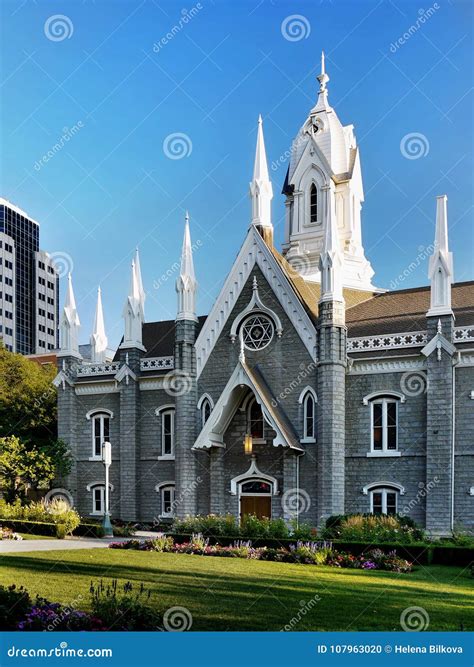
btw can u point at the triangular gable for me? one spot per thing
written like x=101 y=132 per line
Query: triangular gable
x=242 y=379
x=254 y=252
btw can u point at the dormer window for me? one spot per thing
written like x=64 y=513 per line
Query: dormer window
x=313 y=204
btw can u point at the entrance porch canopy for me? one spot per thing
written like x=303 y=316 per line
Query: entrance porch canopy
x=241 y=381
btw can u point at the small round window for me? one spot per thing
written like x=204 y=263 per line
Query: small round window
x=257 y=332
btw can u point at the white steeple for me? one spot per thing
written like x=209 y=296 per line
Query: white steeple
x=261 y=191
x=139 y=281
x=133 y=312
x=98 y=337
x=69 y=326
x=331 y=259
x=325 y=153
x=186 y=284
x=441 y=263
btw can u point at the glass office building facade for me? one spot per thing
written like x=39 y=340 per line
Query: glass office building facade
x=24 y=234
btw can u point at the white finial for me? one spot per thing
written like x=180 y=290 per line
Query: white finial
x=98 y=337
x=133 y=310
x=70 y=323
x=138 y=273
x=439 y=328
x=323 y=77
x=441 y=263
x=186 y=284
x=261 y=191
x=255 y=284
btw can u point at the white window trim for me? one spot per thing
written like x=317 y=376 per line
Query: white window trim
x=383 y=400
x=91 y=487
x=160 y=488
x=383 y=484
x=307 y=218
x=92 y=415
x=205 y=399
x=169 y=409
x=384 y=490
x=302 y=400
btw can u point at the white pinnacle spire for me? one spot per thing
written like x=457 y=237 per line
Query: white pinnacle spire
x=331 y=259
x=186 y=284
x=98 y=337
x=261 y=191
x=69 y=327
x=441 y=263
x=133 y=312
x=323 y=78
x=139 y=280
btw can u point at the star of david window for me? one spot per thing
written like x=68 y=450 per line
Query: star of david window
x=257 y=332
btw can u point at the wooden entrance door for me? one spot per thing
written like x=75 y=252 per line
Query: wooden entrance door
x=259 y=505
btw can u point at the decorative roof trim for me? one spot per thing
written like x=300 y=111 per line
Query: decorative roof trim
x=254 y=306
x=254 y=251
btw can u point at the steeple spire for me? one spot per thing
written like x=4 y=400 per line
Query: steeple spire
x=139 y=281
x=331 y=259
x=70 y=323
x=133 y=313
x=186 y=284
x=98 y=337
x=323 y=78
x=441 y=263
x=261 y=191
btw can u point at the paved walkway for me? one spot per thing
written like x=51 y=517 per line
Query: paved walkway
x=70 y=543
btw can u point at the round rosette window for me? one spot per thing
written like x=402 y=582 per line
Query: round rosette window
x=257 y=332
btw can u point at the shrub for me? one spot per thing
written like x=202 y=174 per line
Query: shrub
x=373 y=528
x=162 y=543
x=56 y=512
x=14 y=604
x=61 y=531
x=123 y=608
x=123 y=529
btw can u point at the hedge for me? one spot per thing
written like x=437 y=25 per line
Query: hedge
x=418 y=554
x=44 y=528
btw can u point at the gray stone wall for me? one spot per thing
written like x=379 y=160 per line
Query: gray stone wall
x=464 y=450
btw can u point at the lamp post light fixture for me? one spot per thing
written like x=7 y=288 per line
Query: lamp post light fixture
x=107 y=461
x=248 y=444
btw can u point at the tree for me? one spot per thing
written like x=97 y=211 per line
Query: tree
x=28 y=425
x=22 y=467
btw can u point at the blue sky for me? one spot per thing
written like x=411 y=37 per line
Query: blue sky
x=120 y=92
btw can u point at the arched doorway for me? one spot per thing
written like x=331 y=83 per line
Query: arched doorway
x=255 y=497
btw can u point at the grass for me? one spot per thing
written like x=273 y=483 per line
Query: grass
x=234 y=594
x=29 y=536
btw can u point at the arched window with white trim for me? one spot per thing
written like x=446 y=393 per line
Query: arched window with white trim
x=98 y=497
x=100 y=422
x=384 y=500
x=166 y=414
x=205 y=406
x=308 y=402
x=384 y=410
x=313 y=204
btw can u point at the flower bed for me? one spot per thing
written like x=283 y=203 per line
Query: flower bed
x=308 y=553
x=8 y=534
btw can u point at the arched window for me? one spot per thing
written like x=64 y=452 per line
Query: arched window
x=100 y=421
x=205 y=406
x=313 y=204
x=384 y=424
x=383 y=500
x=309 y=410
x=98 y=497
x=255 y=420
x=167 y=433
x=308 y=402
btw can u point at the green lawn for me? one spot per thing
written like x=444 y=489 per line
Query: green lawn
x=29 y=536
x=234 y=594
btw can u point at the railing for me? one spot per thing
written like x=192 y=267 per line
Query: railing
x=98 y=369
x=387 y=341
x=157 y=364
x=463 y=334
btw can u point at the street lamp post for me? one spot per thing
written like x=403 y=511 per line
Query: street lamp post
x=107 y=461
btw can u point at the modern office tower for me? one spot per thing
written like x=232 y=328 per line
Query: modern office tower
x=29 y=285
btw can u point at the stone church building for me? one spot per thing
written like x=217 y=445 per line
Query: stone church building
x=305 y=392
